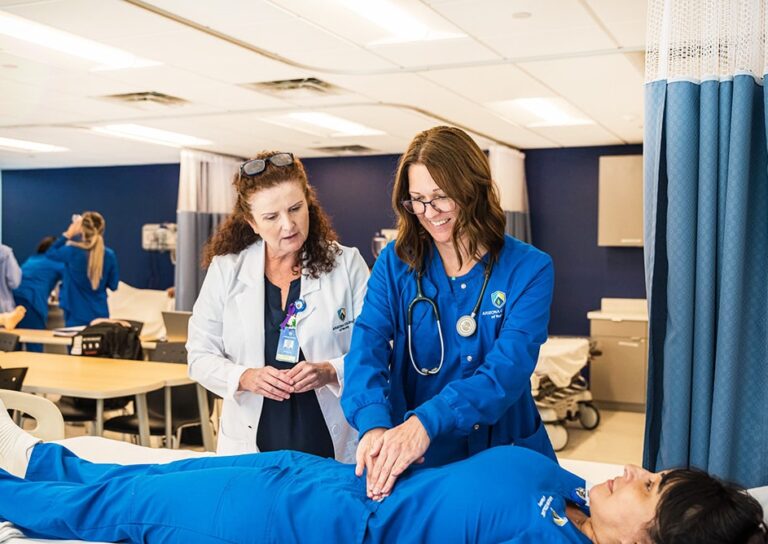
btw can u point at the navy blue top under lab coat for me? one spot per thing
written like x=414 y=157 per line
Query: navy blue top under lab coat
x=482 y=395
x=505 y=494
x=80 y=302
x=39 y=276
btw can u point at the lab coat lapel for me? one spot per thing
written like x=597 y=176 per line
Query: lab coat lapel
x=310 y=293
x=250 y=303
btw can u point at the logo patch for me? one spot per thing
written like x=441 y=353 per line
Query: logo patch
x=342 y=313
x=581 y=493
x=559 y=521
x=499 y=298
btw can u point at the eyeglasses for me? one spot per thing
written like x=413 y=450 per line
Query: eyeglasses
x=440 y=204
x=255 y=167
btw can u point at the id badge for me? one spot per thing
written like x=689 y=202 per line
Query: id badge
x=288 y=346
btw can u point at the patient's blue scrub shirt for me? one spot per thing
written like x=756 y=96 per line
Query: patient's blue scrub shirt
x=504 y=494
x=80 y=302
x=482 y=396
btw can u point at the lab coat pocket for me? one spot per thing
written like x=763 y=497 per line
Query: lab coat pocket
x=235 y=438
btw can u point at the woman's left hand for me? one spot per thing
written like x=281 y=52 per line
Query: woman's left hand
x=401 y=447
x=307 y=376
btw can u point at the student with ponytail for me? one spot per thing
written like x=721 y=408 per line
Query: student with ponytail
x=89 y=269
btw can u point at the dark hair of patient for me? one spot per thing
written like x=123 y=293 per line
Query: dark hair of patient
x=317 y=256
x=45 y=243
x=697 y=508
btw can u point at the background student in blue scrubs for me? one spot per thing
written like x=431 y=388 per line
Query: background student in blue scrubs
x=505 y=494
x=89 y=269
x=40 y=275
x=444 y=392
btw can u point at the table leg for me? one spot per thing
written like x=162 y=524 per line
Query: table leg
x=205 y=418
x=98 y=425
x=168 y=418
x=143 y=415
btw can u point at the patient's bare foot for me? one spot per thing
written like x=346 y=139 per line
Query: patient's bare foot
x=12 y=318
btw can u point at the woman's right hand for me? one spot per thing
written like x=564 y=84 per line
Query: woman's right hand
x=367 y=450
x=267 y=381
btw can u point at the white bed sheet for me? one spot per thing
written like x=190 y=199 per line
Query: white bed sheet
x=104 y=450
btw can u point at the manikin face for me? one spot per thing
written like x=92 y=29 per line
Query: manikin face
x=280 y=215
x=422 y=187
x=622 y=508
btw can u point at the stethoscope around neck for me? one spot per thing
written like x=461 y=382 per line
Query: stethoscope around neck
x=465 y=326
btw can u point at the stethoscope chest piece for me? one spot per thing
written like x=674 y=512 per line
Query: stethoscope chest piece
x=466 y=326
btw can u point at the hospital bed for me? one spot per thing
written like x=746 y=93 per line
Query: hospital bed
x=50 y=424
x=560 y=391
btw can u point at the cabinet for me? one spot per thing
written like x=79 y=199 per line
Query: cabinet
x=620 y=201
x=619 y=375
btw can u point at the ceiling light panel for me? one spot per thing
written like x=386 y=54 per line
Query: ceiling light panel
x=103 y=57
x=322 y=124
x=26 y=146
x=150 y=135
x=535 y=112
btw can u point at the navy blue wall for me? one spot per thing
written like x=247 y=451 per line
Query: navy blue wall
x=355 y=192
x=38 y=203
x=563 y=196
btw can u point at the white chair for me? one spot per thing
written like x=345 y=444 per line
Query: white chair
x=48 y=419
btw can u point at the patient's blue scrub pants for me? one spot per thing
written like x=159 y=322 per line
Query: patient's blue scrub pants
x=198 y=500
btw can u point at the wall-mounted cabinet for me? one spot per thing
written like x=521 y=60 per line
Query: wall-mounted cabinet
x=620 y=207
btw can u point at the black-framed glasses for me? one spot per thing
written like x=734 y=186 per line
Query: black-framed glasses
x=254 y=167
x=440 y=204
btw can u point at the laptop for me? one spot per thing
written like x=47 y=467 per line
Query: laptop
x=176 y=326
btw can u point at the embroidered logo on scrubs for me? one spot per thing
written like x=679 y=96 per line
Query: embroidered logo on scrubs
x=498 y=298
x=342 y=313
x=559 y=521
x=581 y=493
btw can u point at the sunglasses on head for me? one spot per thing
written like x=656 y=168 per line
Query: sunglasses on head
x=255 y=167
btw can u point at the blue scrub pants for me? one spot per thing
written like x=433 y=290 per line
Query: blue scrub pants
x=204 y=500
x=32 y=320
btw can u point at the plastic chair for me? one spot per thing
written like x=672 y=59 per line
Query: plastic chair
x=185 y=412
x=9 y=341
x=49 y=423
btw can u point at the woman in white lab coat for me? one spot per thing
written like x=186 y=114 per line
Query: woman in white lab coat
x=274 y=317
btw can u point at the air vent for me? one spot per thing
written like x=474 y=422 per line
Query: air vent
x=296 y=88
x=344 y=149
x=149 y=100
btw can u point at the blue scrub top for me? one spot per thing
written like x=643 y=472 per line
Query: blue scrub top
x=482 y=396
x=80 y=302
x=39 y=276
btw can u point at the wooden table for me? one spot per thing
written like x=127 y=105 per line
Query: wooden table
x=101 y=378
x=46 y=336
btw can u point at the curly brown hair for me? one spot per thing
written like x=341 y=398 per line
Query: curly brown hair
x=318 y=254
x=461 y=170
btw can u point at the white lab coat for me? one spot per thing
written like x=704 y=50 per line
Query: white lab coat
x=226 y=337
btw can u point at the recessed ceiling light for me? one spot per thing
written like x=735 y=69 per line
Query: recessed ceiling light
x=106 y=57
x=541 y=112
x=25 y=146
x=402 y=25
x=323 y=124
x=150 y=135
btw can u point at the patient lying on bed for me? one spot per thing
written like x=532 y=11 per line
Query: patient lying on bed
x=505 y=494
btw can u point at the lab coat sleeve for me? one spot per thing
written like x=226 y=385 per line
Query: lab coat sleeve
x=365 y=399
x=12 y=270
x=208 y=364
x=358 y=273
x=505 y=374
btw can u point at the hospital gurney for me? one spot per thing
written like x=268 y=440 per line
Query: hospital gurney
x=560 y=392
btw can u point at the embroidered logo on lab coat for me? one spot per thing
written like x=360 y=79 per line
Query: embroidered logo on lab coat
x=498 y=298
x=559 y=521
x=342 y=313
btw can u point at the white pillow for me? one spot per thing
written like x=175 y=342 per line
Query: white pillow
x=761 y=494
x=145 y=305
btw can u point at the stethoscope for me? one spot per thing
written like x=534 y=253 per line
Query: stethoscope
x=465 y=326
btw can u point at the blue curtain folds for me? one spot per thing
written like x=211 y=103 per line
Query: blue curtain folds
x=706 y=205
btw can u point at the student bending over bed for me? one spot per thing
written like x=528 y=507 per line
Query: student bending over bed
x=504 y=494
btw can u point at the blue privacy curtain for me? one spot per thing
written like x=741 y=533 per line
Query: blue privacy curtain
x=706 y=206
x=206 y=198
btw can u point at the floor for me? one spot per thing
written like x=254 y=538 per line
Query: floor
x=617 y=439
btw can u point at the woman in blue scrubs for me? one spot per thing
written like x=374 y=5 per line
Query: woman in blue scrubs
x=504 y=494
x=89 y=269
x=422 y=389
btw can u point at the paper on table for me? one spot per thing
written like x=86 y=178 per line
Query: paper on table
x=68 y=331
